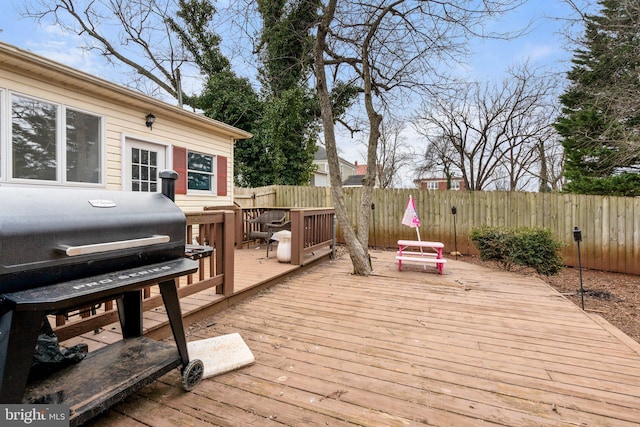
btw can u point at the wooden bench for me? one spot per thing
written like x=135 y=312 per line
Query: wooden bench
x=432 y=255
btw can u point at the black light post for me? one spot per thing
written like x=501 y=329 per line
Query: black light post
x=373 y=212
x=455 y=234
x=577 y=236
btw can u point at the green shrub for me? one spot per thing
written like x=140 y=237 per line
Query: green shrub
x=529 y=247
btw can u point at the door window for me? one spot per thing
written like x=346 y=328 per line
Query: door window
x=145 y=161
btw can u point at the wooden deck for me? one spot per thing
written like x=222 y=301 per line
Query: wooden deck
x=471 y=347
x=253 y=272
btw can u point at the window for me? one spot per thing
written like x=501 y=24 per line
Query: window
x=34 y=139
x=432 y=185
x=46 y=148
x=455 y=185
x=200 y=171
x=144 y=170
x=83 y=147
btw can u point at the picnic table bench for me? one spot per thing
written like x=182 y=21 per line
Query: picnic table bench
x=417 y=253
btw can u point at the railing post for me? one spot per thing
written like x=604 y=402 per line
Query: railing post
x=228 y=242
x=333 y=237
x=239 y=227
x=297 y=236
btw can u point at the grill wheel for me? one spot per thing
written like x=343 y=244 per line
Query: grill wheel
x=192 y=374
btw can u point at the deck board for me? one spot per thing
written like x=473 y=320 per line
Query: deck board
x=473 y=346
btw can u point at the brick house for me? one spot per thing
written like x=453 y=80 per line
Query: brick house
x=439 y=183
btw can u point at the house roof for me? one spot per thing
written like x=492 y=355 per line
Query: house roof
x=50 y=72
x=353 y=180
x=321 y=155
x=361 y=170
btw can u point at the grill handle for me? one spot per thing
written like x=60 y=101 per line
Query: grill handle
x=112 y=246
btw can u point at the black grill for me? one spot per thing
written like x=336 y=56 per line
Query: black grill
x=61 y=250
x=50 y=236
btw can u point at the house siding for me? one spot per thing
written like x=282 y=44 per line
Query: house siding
x=321 y=177
x=123 y=118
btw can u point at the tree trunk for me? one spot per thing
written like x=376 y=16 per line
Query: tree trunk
x=544 y=172
x=357 y=251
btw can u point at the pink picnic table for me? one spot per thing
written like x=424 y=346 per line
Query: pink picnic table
x=421 y=252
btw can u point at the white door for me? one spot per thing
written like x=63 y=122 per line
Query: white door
x=143 y=162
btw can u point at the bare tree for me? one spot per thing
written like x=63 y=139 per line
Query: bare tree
x=494 y=130
x=439 y=159
x=394 y=153
x=136 y=34
x=386 y=49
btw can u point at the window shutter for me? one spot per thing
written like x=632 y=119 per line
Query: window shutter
x=180 y=166
x=222 y=175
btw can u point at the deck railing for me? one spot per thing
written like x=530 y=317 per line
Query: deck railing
x=311 y=229
x=214 y=228
x=251 y=213
x=224 y=230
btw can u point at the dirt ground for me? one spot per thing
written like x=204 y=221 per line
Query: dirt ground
x=614 y=296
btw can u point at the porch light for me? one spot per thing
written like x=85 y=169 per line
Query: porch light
x=150 y=119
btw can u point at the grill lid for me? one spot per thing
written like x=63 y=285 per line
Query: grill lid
x=52 y=235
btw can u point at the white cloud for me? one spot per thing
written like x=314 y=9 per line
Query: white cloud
x=537 y=53
x=56 y=44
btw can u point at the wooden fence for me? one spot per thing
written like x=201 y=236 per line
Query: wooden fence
x=610 y=225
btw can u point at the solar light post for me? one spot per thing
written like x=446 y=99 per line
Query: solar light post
x=455 y=234
x=577 y=236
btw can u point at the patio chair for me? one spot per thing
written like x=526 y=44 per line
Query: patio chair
x=268 y=223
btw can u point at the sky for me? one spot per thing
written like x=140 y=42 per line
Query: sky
x=542 y=46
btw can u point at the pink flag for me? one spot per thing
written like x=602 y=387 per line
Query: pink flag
x=410 y=218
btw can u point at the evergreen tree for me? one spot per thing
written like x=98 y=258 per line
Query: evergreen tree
x=600 y=120
x=289 y=123
x=283 y=117
x=225 y=97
